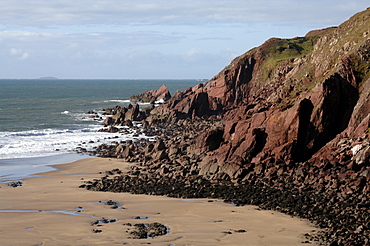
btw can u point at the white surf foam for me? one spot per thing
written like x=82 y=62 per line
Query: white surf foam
x=47 y=142
x=118 y=101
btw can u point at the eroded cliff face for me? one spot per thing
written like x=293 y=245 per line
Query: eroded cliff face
x=285 y=126
x=284 y=101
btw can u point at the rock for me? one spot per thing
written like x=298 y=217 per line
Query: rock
x=126 y=153
x=209 y=140
x=149 y=148
x=160 y=155
x=134 y=114
x=362 y=155
x=15 y=184
x=152 y=230
x=173 y=151
x=118 y=118
x=162 y=94
x=110 y=129
x=113 y=129
x=108 y=121
x=159 y=145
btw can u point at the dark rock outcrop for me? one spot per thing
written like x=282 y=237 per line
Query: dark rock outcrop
x=124 y=116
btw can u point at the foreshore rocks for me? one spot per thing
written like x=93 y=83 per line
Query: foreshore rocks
x=334 y=197
x=285 y=126
x=123 y=116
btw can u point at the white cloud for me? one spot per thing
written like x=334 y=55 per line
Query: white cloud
x=149 y=38
x=82 y=12
x=193 y=52
x=20 y=54
x=72 y=45
x=14 y=51
x=24 y=56
x=18 y=36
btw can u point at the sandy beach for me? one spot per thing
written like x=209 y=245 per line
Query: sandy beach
x=52 y=210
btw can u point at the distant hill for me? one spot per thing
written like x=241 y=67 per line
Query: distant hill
x=48 y=78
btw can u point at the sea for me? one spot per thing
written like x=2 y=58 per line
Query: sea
x=43 y=121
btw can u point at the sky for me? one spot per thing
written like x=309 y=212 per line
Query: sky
x=142 y=39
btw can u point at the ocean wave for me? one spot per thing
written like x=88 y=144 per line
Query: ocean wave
x=118 y=101
x=36 y=133
x=159 y=101
x=128 y=101
x=47 y=142
x=83 y=117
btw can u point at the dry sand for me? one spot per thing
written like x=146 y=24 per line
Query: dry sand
x=190 y=222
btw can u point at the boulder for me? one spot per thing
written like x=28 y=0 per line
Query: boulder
x=134 y=114
x=159 y=145
x=362 y=156
x=160 y=155
x=107 y=121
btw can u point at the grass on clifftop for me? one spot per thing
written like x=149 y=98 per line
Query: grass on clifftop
x=277 y=50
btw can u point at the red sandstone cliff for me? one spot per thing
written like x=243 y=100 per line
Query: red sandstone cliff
x=286 y=100
x=285 y=126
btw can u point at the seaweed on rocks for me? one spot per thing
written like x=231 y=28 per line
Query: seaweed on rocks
x=309 y=205
x=15 y=184
x=152 y=230
x=170 y=166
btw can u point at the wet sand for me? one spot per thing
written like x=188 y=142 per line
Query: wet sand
x=52 y=210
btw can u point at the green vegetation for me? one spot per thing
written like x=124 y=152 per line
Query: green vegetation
x=349 y=39
x=277 y=50
x=360 y=65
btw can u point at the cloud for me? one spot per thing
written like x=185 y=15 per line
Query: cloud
x=20 y=54
x=90 y=40
x=149 y=38
x=14 y=51
x=24 y=56
x=163 y=12
x=193 y=52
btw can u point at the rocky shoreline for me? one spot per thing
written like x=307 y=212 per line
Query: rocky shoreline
x=170 y=167
x=285 y=126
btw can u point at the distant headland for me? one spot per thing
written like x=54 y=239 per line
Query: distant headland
x=48 y=78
